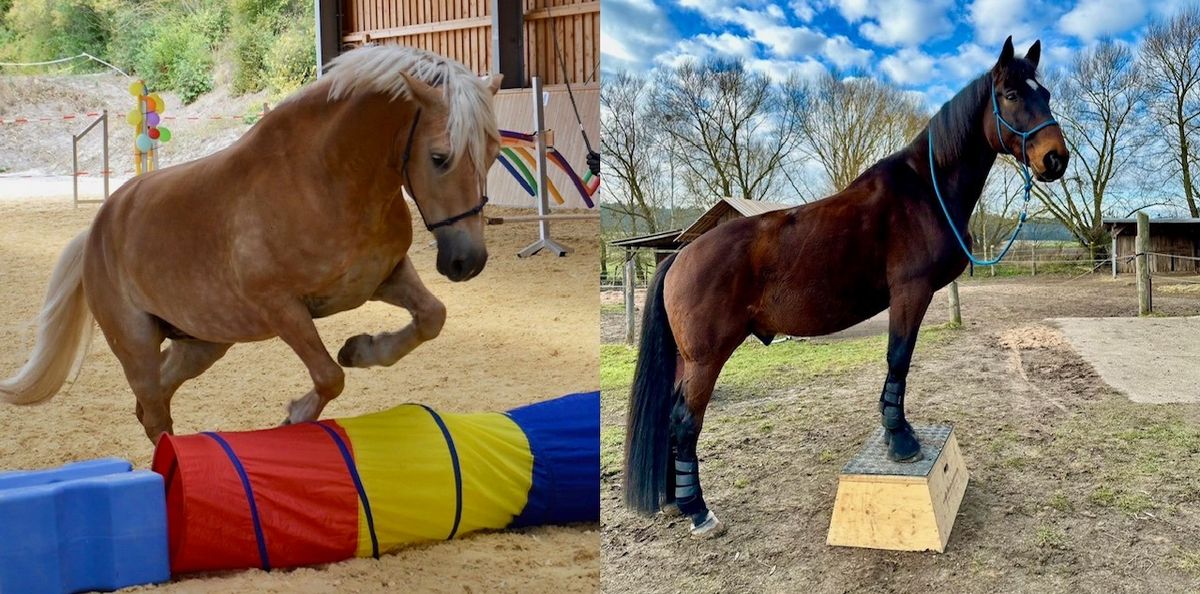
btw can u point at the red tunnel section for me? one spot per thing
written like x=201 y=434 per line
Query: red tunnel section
x=303 y=497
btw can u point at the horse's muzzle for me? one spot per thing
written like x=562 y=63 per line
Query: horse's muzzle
x=1054 y=165
x=460 y=256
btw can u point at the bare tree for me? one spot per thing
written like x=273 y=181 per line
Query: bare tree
x=849 y=124
x=1101 y=96
x=632 y=146
x=731 y=128
x=1170 y=58
x=999 y=208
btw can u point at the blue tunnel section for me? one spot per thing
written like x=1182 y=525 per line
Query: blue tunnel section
x=564 y=437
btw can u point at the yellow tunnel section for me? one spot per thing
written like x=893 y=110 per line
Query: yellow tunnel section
x=429 y=475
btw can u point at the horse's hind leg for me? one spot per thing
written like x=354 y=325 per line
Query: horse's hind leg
x=135 y=338
x=908 y=305
x=694 y=390
x=187 y=359
x=403 y=288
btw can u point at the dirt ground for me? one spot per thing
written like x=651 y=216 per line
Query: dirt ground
x=209 y=124
x=1074 y=488
x=524 y=330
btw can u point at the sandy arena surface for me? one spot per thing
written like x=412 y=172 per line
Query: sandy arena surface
x=1162 y=369
x=524 y=330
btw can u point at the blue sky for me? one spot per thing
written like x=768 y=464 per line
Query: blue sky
x=931 y=47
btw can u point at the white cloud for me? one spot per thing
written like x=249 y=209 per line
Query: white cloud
x=728 y=44
x=853 y=10
x=780 y=70
x=969 y=61
x=933 y=97
x=907 y=22
x=844 y=54
x=1169 y=8
x=1056 y=57
x=909 y=66
x=803 y=10
x=1091 y=19
x=632 y=32
x=708 y=8
x=772 y=31
x=996 y=19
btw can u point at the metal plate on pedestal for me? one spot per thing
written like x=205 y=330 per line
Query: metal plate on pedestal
x=872 y=459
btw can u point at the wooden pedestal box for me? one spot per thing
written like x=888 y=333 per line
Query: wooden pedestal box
x=900 y=506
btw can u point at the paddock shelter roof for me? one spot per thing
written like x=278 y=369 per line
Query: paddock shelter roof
x=1180 y=225
x=725 y=209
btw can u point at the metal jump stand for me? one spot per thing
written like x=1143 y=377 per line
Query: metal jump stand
x=544 y=240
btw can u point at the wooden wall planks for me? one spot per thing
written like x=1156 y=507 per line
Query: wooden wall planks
x=461 y=29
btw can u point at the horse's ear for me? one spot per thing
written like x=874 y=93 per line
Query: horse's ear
x=1006 y=54
x=422 y=92
x=1035 y=53
x=493 y=82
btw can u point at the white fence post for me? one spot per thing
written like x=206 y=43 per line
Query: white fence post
x=630 y=310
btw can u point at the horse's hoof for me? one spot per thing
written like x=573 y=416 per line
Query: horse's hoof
x=670 y=510
x=351 y=353
x=711 y=527
x=903 y=446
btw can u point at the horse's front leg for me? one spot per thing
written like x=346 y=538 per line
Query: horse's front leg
x=292 y=322
x=908 y=305
x=403 y=288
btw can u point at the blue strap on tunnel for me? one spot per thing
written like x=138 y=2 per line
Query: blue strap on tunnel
x=458 y=488
x=237 y=465
x=362 y=492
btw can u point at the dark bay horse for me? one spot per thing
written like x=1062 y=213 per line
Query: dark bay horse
x=883 y=242
x=301 y=218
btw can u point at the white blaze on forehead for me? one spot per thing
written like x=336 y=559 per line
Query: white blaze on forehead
x=1032 y=83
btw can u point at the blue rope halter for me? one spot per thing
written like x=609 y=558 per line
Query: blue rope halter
x=1024 y=171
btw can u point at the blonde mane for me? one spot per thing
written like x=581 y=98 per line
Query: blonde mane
x=377 y=68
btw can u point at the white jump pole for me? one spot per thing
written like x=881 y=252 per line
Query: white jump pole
x=544 y=241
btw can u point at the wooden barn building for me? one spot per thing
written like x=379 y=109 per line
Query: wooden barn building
x=1176 y=243
x=516 y=38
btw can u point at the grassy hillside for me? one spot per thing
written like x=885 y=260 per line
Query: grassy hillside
x=173 y=45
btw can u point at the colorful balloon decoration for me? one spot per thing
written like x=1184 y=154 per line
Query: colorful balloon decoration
x=146 y=118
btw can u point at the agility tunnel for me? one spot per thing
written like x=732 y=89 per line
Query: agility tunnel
x=329 y=490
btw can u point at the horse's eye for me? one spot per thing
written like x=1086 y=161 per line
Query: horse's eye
x=1011 y=96
x=439 y=160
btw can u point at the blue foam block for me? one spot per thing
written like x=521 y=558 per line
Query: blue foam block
x=95 y=525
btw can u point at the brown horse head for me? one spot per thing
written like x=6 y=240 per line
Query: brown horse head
x=445 y=168
x=1023 y=103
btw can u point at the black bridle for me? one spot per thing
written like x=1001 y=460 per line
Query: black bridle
x=412 y=132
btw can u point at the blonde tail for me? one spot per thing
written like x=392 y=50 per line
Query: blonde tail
x=64 y=333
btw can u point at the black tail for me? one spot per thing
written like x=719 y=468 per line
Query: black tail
x=648 y=427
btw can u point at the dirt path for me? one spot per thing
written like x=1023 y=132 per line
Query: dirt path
x=524 y=330
x=1074 y=488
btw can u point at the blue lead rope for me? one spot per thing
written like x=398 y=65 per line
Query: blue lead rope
x=1024 y=171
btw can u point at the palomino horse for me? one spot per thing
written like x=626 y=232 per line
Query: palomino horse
x=301 y=218
x=883 y=242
